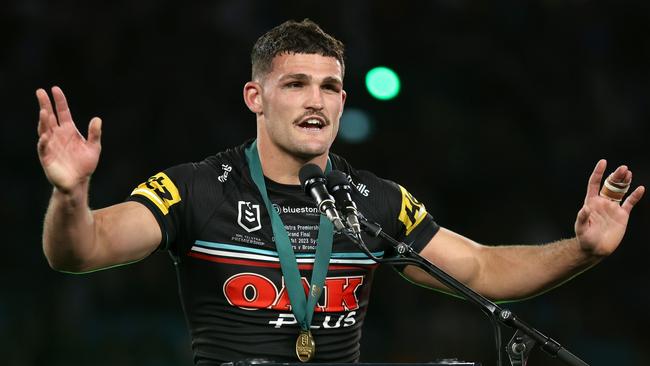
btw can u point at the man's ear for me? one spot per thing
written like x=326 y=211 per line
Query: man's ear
x=343 y=96
x=253 y=96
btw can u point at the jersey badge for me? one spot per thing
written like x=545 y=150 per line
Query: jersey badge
x=248 y=216
x=160 y=190
x=224 y=176
x=412 y=211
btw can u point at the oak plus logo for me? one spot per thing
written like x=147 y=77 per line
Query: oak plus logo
x=248 y=216
x=252 y=291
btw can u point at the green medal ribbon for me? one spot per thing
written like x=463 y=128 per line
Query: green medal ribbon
x=303 y=309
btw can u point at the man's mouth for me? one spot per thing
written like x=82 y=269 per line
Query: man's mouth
x=312 y=123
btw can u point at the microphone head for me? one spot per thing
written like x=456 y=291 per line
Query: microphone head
x=336 y=180
x=310 y=174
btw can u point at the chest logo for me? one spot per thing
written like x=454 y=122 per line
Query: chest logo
x=248 y=216
x=224 y=176
x=253 y=291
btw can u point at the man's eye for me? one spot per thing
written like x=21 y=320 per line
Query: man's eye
x=333 y=88
x=294 y=84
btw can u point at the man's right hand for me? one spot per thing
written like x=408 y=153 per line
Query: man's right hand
x=68 y=159
x=76 y=238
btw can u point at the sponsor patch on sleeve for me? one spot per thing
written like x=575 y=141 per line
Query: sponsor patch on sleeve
x=160 y=190
x=412 y=212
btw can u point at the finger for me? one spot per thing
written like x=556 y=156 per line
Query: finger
x=43 y=125
x=61 y=103
x=95 y=131
x=619 y=174
x=44 y=100
x=51 y=121
x=41 y=146
x=633 y=199
x=596 y=177
x=628 y=177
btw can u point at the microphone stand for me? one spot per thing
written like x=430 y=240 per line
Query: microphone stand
x=525 y=337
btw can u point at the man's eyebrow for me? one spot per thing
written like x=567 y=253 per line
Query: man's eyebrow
x=305 y=77
x=332 y=80
x=301 y=77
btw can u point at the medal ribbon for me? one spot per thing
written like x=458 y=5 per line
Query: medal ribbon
x=302 y=308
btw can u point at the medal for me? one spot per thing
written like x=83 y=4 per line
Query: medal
x=305 y=346
x=302 y=306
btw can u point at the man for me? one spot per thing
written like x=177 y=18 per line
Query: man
x=248 y=244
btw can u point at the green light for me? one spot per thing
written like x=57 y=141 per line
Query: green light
x=382 y=83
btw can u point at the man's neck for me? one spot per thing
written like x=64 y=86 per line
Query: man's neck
x=282 y=167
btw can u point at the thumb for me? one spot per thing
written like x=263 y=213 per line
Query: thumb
x=95 y=131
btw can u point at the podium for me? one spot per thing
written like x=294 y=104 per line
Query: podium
x=443 y=362
x=435 y=363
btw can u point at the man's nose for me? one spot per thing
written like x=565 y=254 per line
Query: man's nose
x=314 y=98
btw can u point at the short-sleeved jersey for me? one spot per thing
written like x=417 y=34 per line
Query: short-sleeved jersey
x=215 y=225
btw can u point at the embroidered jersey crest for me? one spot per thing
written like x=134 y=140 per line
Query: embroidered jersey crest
x=248 y=216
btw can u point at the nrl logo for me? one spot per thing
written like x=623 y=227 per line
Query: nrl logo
x=248 y=216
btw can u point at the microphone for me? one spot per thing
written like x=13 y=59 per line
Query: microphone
x=313 y=182
x=338 y=184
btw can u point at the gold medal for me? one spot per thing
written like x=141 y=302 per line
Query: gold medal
x=305 y=346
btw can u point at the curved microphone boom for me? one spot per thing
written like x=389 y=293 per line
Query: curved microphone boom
x=313 y=182
x=339 y=186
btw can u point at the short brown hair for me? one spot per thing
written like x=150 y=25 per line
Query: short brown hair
x=293 y=37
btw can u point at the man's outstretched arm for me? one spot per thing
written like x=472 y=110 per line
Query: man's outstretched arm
x=509 y=272
x=76 y=239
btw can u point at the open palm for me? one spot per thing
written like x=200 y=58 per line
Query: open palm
x=601 y=222
x=68 y=159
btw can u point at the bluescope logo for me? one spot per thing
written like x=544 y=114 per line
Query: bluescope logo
x=248 y=216
x=412 y=211
x=160 y=190
x=295 y=210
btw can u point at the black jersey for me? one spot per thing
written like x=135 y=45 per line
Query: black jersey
x=215 y=225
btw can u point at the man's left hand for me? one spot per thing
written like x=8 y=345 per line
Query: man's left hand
x=601 y=221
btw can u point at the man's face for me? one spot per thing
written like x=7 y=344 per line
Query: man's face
x=302 y=101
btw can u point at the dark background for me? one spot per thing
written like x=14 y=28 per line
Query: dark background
x=506 y=107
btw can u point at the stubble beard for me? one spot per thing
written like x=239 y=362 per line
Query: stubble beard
x=303 y=152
